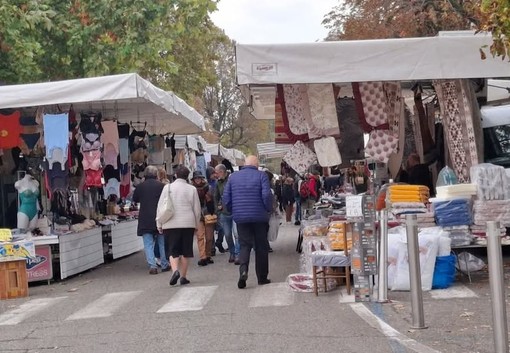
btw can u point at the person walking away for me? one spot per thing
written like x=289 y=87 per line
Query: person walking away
x=212 y=179
x=288 y=199
x=179 y=230
x=278 y=192
x=248 y=196
x=297 y=199
x=225 y=217
x=147 y=195
x=205 y=232
x=162 y=177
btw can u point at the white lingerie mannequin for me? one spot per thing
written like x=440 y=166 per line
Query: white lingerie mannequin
x=28 y=190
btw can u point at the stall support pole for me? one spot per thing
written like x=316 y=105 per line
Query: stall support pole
x=496 y=280
x=414 y=272
x=382 y=286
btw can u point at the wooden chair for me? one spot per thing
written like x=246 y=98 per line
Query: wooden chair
x=324 y=263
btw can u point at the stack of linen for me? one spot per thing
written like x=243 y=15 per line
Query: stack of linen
x=455 y=217
x=484 y=211
x=456 y=191
x=408 y=193
x=410 y=199
x=492 y=182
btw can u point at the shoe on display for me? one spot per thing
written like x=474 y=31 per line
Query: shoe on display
x=231 y=259
x=153 y=271
x=202 y=262
x=210 y=261
x=184 y=281
x=242 y=280
x=264 y=281
x=175 y=277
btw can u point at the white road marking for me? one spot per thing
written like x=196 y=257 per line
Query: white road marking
x=104 y=306
x=457 y=291
x=274 y=294
x=389 y=331
x=26 y=310
x=189 y=299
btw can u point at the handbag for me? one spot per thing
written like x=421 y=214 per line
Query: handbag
x=274 y=226
x=166 y=209
x=210 y=219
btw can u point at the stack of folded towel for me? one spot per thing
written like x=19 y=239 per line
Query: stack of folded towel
x=425 y=218
x=492 y=181
x=456 y=191
x=408 y=193
x=459 y=235
x=455 y=212
x=496 y=210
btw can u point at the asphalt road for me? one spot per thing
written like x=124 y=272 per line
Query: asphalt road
x=119 y=307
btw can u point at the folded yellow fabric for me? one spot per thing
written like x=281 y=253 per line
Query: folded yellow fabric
x=409 y=187
x=408 y=199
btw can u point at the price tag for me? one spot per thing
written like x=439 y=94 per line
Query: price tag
x=5 y=234
x=354 y=206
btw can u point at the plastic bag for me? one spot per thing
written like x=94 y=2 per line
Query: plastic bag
x=444 y=272
x=274 y=226
x=446 y=177
x=468 y=262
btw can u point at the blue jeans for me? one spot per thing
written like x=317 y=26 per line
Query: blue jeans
x=149 y=241
x=235 y=234
x=297 y=216
x=226 y=223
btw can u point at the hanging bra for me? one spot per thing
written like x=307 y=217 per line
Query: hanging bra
x=58 y=179
x=91 y=123
x=90 y=142
x=137 y=140
x=92 y=160
x=93 y=178
x=109 y=173
x=123 y=131
x=112 y=187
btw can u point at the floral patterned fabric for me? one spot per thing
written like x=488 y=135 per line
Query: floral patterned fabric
x=300 y=157
x=298 y=108
x=381 y=145
x=283 y=134
x=327 y=152
x=324 y=121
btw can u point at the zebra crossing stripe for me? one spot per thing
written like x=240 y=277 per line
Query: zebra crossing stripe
x=104 y=306
x=189 y=299
x=26 y=310
x=274 y=294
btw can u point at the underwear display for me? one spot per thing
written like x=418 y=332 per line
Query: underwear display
x=57 y=178
x=156 y=147
x=110 y=172
x=123 y=130
x=28 y=200
x=58 y=157
x=91 y=123
x=28 y=121
x=139 y=155
x=124 y=169
x=90 y=142
x=110 y=135
x=124 y=150
x=56 y=136
x=110 y=155
x=10 y=129
x=112 y=187
x=30 y=140
x=93 y=178
x=137 y=139
x=92 y=160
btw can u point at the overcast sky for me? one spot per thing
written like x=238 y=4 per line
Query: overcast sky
x=273 y=21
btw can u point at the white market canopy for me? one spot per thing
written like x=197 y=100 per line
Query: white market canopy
x=272 y=150
x=451 y=55
x=127 y=97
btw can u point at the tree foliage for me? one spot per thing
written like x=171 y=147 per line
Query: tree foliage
x=377 y=19
x=496 y=19
x=163 y=40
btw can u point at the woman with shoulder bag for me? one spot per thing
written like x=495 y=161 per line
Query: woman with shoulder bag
x=178 y=218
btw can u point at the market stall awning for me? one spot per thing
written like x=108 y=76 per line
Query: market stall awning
x=272 y=150
x=447 y=56
x=127 y=97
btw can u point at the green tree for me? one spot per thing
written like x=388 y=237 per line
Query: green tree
x=164 y=41
x=496 y=19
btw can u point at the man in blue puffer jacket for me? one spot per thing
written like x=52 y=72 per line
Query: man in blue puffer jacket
x=248 y=196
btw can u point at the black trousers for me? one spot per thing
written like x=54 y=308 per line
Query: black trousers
x=254 y=236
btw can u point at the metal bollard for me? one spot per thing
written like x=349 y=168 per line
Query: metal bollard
x=382 y=287
x=414 y=272
x=496 y=280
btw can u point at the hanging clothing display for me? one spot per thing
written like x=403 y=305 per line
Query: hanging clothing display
x=56 y=138
x=112 y=187
x=156 y=149
x=381 y=145
x=124 y=150
x=283 y=134
x=327 y=152
x=462 y=124
x=110 y=141
x=300 y=157
x=92 y=160
x=10 y=130
x=298 y=109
